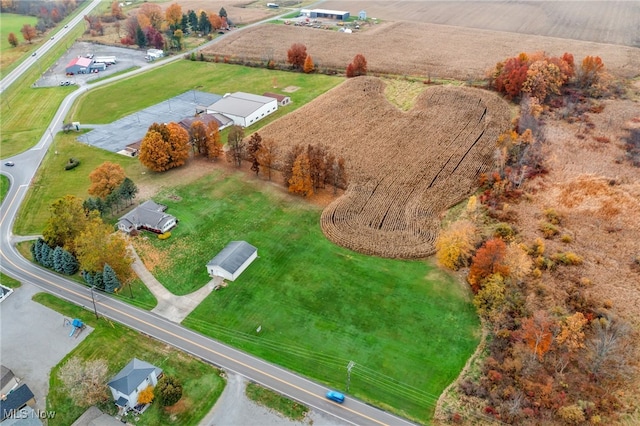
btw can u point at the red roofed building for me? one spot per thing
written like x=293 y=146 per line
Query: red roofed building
x=78 y=66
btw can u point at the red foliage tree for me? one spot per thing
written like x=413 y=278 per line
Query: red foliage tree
x=357 y=67
x=296 y=55
x=488 y=260
x=537 y=333
x=511 y=74
x=13 y=40
x=28 y=32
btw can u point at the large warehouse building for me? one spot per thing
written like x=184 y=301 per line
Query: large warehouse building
x=340 y=15
x=244 y=109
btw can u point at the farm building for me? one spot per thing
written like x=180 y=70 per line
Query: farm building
x=339 y=15
x=148 y=215
x=131 y=380
x=244 y=108
x=16 y=400
x=223 y=121
x=153 y=54
x=282 y=99
x=362 y=15
x=78 y=66
x=232 y=260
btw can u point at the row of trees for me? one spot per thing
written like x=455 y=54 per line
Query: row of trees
x=300 y=60
x=540 y=76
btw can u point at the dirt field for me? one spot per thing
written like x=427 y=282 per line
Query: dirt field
x=614 y=22
x=404 y=168
x=240 y=12
x=434 y=50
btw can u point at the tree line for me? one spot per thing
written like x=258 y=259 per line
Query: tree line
x=49 y=13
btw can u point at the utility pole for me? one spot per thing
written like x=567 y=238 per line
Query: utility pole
x=349 y=367
x=94 y=304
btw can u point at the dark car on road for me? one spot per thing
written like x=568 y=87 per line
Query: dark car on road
x=335 y=396
x=9 y=164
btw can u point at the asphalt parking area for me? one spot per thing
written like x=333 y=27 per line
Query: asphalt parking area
x=33 y=340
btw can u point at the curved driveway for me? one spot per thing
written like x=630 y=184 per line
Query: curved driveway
x=13 y=264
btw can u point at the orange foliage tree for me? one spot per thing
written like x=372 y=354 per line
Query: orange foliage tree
x=357 y=67
x=154 y=13
x=455 y=244
x=198 y=137
x=300 y=182
x=308 y=65
x=12 y=39
x=164 y=147
x=173 y=15
x=178 y=145
x=591 y=70
x=266 y=155
x=214 y=144
x=537 y=333
x=154 y=152
x=146 y=396
x=296 y=55
x=105 y=178
x=28 y=32
x=488 y=260
x=511 y=74
x=215 y=21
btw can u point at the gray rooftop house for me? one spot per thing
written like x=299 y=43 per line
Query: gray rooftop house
x=148 y=215
x=131 y=380
x=232 y=260
x=12 y=403
x=244 y=108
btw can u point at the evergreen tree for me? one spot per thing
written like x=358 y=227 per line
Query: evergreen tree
x=184 y=24
x=127 y=190
x=57 y=259
x=141 y=39
x=98 y=280
x=95 y=203
x=193 y=20
x=88 y=277
x=222 y=13
x=69 y=263
x=46 y=255
x=35 y=250
x=111 y=282
x=204 y=25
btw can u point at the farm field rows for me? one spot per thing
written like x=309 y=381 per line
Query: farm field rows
x=404 y=168
x=614 y=22
x=318 y=305
x=437 y=51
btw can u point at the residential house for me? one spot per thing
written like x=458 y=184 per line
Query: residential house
x=131 y=380
x=14 y=401
x=148 y=215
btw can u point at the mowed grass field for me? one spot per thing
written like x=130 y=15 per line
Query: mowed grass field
x=12 y=23
x=408 y=327
x=202 y=383
x=109 y=103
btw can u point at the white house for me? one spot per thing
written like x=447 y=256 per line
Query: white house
x=244 y=109
x=148 y=215
x=131 y=380
x=232 y=260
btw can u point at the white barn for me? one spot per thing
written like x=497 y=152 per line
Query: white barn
x=232 y=260
x=244 y=109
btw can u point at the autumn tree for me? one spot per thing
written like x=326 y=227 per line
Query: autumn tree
x=168 y=391
x=510 y=75
x=300 y=182
x=173 y=16
x=67 y=220
x=296 y=55
x=116 y=11
x=105 y=179
x=198 y=137
x=518 y=262
x=28 y=32
x=537 y=333
x=13 y=40
x=253 y=146
x=266 y=155
x=214 y=143
x=317 y=165
x=591 y=70
x=455 y=244
x=491 y=297
x=543 y=78
x=308 y=65
x=357 y=67
x=146 y=396
x=488 y=260
x=235 y=144
x=85 y=382
x=164 y=147
x=177 y=39
x=572 y=332
x=215 y=21
x=288 y=161
x=154 y=152
x=152 y=11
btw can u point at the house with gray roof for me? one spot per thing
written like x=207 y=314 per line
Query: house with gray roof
x=232 y=260
x=131 y=380
x=243 y=108
x=148 y=215
x=14 y=401
x=8 y=380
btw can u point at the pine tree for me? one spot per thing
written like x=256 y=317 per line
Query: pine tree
x=127 y=190
x=57 y=259
x=98 y=280
x=46 y=255
x=111 y=282
x=35 y=250
x=69 y=263
x=88 y=277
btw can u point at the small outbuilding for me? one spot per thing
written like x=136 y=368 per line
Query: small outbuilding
x=131 y=380
x=78 y=66
x=362 y=15
x=232 y=260
x=282 y=99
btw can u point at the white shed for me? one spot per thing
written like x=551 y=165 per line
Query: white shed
x=232 y=260
x=244 y=109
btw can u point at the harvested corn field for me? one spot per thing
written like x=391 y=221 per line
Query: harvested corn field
x=404 y=168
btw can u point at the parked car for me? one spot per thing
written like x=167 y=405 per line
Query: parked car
x=10 y=164
x=335 y=396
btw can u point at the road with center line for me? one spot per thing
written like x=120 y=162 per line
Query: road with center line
x=269 y=375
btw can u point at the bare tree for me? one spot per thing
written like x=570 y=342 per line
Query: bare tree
x=610 y=350
x=85 y=382
x=236 y=145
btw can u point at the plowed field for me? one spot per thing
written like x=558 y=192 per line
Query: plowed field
x=404 y=168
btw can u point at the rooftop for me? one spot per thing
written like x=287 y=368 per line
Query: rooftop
x=233 y=256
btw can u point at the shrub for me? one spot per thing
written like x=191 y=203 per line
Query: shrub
x=72 y=164
x=504 y=231
x=567 y=258
x=168 y=391
x=549 y=230
x=455 y=245
x=164 y=236
x=552 y=216
x=571 y=414
x=566 y=238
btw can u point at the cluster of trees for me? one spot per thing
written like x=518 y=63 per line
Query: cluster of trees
x=153 y=27
x=563 y=361
x=111 y=188
x=304 y=169
x=83 y=234
x=357 y=67
x=164 y=147
x=49 y=13
x=58 y=259
x=299 y=59
x=540 y=76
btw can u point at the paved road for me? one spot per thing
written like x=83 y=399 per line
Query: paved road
x=27 y=63
x=228 y=358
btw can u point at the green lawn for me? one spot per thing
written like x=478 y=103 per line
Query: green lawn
x=4 y=187
x=7 y=281
x=141 y=91
x=202 y=383
x=408 y=327
x=12 y=23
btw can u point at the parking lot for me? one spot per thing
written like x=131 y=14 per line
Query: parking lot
x=126 y=58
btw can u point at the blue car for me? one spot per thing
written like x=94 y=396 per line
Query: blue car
x=335 y=396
